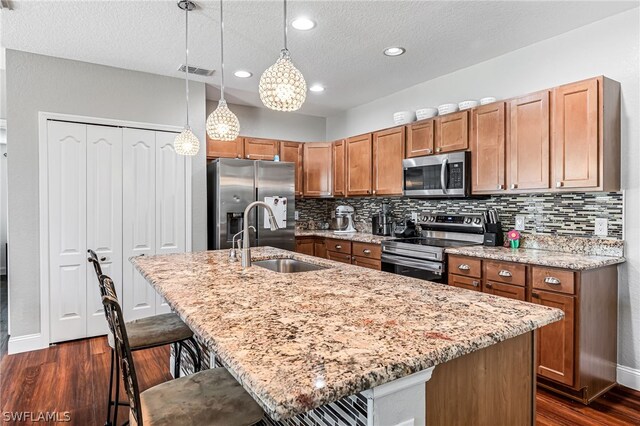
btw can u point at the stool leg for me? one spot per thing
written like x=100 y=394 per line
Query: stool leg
x=178 y=359
x=109 y=400
x=116 y=403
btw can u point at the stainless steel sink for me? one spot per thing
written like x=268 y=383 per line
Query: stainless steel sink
x=288 y=266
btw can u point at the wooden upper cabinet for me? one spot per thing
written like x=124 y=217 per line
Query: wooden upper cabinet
x=292 y=152
x=339 y=168
x=488 y=149
x=420 y=139
x=359 y=162
x=528 y=146
x=225 y=149
x=260 y=149
x=317 y=169
x=388 y=153
x=586 y=135
x=452 y=132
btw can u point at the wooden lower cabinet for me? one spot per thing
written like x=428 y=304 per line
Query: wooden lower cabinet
x=355 y=253
x=320 y=248
x=305 y=245
x=576 y=356
x=339 y=257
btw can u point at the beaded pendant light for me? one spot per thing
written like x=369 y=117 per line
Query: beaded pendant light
x=186 y=143
x=222 y=124
x=282 y=86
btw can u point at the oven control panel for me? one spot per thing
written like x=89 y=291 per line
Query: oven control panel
x=450 y=221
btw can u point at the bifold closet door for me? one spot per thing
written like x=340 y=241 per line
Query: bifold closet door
x=139 y=218
x=104 y=216
x=66 y=151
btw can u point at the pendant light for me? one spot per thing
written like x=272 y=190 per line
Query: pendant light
x=186 y=143
x=222 y=124
x=282 y=86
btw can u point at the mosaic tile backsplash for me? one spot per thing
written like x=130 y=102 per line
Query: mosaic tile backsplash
x=566 y=214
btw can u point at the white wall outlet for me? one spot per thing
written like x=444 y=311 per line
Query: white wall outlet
x=519 y=223
x=296 y=215
x=602 y=227
x=414 y=216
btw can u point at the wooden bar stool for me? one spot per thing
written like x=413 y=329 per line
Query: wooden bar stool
x=146 y=333
x=208 y=398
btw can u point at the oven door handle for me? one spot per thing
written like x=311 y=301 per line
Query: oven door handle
x=403 y=261
x=443 y=175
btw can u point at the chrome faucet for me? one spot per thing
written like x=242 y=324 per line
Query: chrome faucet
x=233 y=252
x=246 y=250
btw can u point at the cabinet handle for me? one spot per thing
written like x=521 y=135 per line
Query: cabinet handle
x=338 y=247
x=464 y=267
x=249 y=156
x=428 y=150
x=514 y=185
x=536 y=295
x=489 y=285
x=366 y=251
x=499 y=186
x=438 y=149
x=352 y=257
x=504 y=273
x=102 y=259
x=552 y=280
x=559 y=184
x=475 y=283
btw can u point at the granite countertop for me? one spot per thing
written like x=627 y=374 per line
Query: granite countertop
x=299 y=341
x=556 y=259
x=361 y=237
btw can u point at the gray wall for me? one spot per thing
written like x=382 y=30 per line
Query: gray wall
x=3 y=91
x=265 y=123
x=40 y=83
x=609 y=47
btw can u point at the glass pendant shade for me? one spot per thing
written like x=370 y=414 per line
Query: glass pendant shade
x=186 y=143
x=282 y=86
x=222 y=124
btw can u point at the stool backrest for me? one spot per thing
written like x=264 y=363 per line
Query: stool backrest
x=117 y=326
x=93 y=258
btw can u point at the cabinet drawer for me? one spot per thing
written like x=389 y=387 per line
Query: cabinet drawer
x=464 y=282
x=366 y=262
x=560 y=280
x=371 y=251
x=339 y=246
x=466 y=266
x=339 y=257
x=505 y=290
x=505 y=272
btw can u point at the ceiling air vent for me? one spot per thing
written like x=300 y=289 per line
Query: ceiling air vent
x=197 y=71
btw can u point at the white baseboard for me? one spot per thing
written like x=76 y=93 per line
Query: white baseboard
x=629 y=377
x=26 y=343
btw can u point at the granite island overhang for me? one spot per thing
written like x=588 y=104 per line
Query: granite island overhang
x=303 y=340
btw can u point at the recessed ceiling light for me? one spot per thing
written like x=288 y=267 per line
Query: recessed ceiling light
x=394 y=51
x=303 y=24
x=242 y=74
x=317 y=88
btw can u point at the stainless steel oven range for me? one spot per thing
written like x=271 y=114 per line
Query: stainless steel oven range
x=424 y=257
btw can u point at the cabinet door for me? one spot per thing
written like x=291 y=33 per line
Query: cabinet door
x=317 y=169
x=339 y=168
x=104 y=217
x=488 y=150
x=138 y=219
x=504 y=290
x=420 y=139
x=320 y=248
x=67 y=172
x=292 y=152
x=452 y=132
x=528 y=147
x=575 y=136
x=465 y=282
x=260 y=149
x=305 y=246
x=556 y=341
x=388 y=153
x=359 y=162
x=225 y=149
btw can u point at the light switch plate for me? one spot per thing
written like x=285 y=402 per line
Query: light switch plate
x=519 y=223
x=602 y=227
x=296 y=215
x=414 y=216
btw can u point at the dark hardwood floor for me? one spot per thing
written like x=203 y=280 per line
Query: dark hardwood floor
x=74 y=376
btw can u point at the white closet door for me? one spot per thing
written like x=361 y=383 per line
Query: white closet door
x=104 y=217
x=170 y=202
x=139 y=218
x=67 y=229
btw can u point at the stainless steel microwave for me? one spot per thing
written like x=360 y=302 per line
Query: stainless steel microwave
x=438 y=176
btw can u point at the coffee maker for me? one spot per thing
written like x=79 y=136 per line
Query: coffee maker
x=382 y=222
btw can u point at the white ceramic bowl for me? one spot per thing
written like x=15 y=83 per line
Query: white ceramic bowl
x=468 y=104
x=424 y=113
x=403 y=117
x=487 y=100
x=447 y=108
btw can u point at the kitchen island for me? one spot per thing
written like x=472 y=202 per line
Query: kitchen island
x=299 y=341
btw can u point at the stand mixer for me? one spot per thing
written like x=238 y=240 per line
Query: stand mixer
x=345 y=213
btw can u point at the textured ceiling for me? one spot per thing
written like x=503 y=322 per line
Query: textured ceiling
x=344 y=51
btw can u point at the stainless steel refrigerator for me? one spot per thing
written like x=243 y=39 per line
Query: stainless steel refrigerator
x=232 y=184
